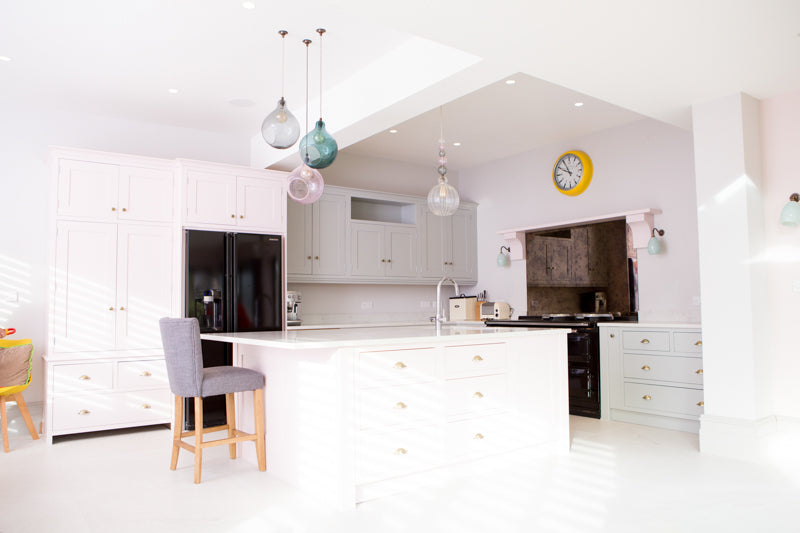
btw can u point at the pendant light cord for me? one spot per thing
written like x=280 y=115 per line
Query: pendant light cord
x=307 y=43
x=283 y=63
x=320 y=31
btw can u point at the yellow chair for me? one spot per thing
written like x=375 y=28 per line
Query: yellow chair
x=16 y=362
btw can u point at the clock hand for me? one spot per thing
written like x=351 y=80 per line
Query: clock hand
x=566 y=169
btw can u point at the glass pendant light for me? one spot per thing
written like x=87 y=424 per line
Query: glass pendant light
x=443 y=198
x=790 y=214
x=305 y=184
x=318 y=149
x=281 y=129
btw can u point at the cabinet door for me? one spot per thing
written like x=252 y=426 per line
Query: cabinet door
x=463 y=250
x=87 y=190
x=330 y=237
x=260 y=204
x=435 y=255
x=84 y=306
x=368 y=255
x=145 y=194
x=580 y=255
x=298 y=238
x=211 y=198
x=558 y=259
x=401 y=245
x=144 y=285
x=537 y=260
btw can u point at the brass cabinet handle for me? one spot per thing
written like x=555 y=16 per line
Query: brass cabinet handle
x=477 y=395
x=316 y=257
x=113 y=208
x=400 y=451
x=383 y=260
x=701 y=403
x=84 y=412
x=309 y=257
x=146 y=406
x=399 y=365
x=233 y=216
x=699 y=371
x=400 y=405
x=241 y=216
x=477 y=436
x=698 y=343
x=121 y=308
x=124 y=209
x=645 y=368
x=645 y=341
x=646 y=397
x=145 y=374
x=84 y=377
x=388 y=260
x=611 y=335
x=110 y=308
x=477 y=359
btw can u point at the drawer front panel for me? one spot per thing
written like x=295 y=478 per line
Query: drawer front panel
x=397 y=367
x=645 y=340
x=487 y=435
x=92 y=411
x=474 y=360
x=664 y=399
x=688 y=342
x=473 y=395
x=400 y=404
x=142 y=375
x=385 y=454
x=82 y=377
x=663 y=368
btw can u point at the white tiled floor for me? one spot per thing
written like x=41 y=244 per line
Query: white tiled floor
x=618 y=477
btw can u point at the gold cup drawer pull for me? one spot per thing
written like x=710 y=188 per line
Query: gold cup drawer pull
x=110 y=308
x=699 y=371
x=645 y=341
x=399 y=365
x=647 y=397
x=121 y=308
x=646 y=368
x=84 y=412
x=400 y=451
x=145 y=374
x=84 y=377
x=611 y=335
x=146 y=406
x=477 y=359
x=701 y=403
x=477 y=436
x=477 y=396
x=400 y=405
x=698 y=343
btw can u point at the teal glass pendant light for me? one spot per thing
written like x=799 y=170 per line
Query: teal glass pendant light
x=654 y=245
x=318 y=148
x=790 y=214
x=281 y=129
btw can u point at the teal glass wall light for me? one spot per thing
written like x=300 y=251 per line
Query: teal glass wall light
x=654 y=245
x=790 y=214
x=502 y=259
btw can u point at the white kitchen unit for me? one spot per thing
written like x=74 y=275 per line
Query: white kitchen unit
x=383 y=250
x=450 y=244
x=318 y=237
x=361 y=413
x=652 y=374
x=232 y=198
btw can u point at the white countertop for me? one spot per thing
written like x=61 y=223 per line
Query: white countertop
x=374 y=336
x=478 y=323
x=645 y=325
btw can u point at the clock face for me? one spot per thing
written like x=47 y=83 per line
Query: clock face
x=572 y=173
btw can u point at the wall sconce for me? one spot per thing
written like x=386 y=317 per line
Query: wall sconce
x=790 y=215
x=502 y=259
x=654 y=245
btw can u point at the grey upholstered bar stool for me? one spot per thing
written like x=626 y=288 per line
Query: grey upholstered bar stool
x=188 y=379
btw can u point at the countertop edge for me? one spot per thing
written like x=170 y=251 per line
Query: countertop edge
x=640 y=325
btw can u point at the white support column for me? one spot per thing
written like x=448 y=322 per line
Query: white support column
x=735 y=311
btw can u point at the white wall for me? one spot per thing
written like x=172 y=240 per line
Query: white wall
x=25 y=135
x=780 y=135
x=646 y=164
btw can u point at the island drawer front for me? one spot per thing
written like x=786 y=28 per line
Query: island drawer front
x=399 y=404
x=688 y=342
x=82 y=377
x=645 y=340
x=474 y=360
x=663 y=368
x=385 y=454
x=471 y=395
x=90 y=411
x=486 y=435
x=664 y=399
x=397 y=366
x=145 y=374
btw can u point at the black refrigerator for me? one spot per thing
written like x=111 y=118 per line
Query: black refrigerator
x=233 y=283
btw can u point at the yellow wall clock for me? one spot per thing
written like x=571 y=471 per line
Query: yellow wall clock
x=572 y=172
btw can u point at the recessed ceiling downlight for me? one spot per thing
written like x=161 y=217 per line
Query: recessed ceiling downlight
x=248 y=5
x=578 y=104
x=172 y=91
x=5 y=59
x=456 y=144
x=510 y=82
x=392 y=131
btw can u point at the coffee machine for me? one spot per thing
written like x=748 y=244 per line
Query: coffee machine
x=293 y=300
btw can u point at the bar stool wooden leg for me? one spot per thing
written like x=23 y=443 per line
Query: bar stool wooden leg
x=4 y=423
x=230 y=414
x=176 y=432
x=198 y=437
x=26 y=415
x=258 y=409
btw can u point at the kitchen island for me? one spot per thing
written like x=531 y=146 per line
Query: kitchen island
x=360 y=413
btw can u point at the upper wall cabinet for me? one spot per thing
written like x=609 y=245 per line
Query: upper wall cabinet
x=316 y=238
x=234 y=197
x=450 y=244
x=89 y=190
x=569 y=257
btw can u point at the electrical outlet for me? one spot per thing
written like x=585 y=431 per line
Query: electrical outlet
x=366 y=305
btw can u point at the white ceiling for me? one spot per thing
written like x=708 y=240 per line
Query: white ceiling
x=392 y=64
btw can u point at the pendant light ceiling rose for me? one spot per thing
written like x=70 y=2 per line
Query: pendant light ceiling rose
x=281 y=129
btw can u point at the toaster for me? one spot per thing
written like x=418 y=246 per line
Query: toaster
x=498 y=310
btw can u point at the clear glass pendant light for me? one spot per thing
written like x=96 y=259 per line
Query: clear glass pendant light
x=318 y=148
x=305 y=184
x=443 y=198
x=281 y=129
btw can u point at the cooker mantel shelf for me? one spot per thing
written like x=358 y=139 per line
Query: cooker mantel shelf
x=640 y=222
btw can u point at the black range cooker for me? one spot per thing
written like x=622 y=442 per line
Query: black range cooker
x=583 y=354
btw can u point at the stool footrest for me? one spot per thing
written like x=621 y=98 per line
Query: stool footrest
x=240 y=436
